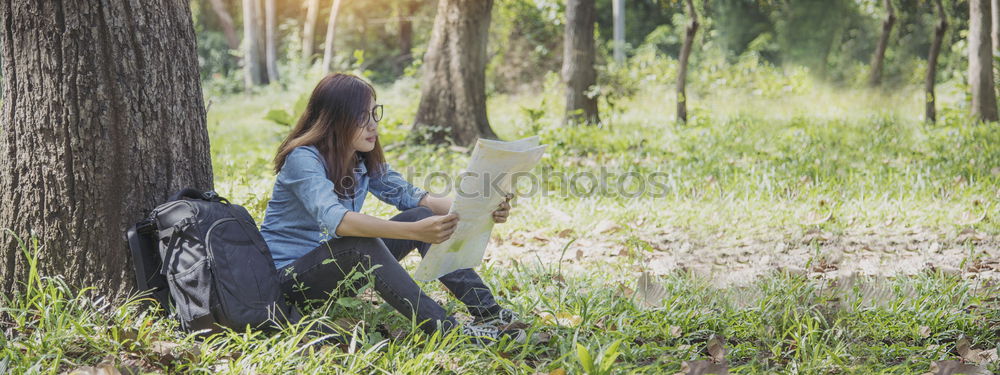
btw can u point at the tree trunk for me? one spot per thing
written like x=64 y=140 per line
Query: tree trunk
x=253 y=73
x=930 y=111
x=578 y=62
x=331 y=29
x=984 y=101
x=453 y=93
x=995 y=23
x=102 y=119
x=878 y=58
x=309 y=32
x=226 y=20
x=618 y=30
x=406 y=33
x=271 y=41
x=692 y=29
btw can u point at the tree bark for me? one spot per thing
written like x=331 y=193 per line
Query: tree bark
x=453 y=93
x=253 y=73
x=309 y=32
x=692 y=30
x=930 y=110
x=331 y=30
x=984 y=101
x=102 y=118
x=878 y=59
x=271 y=41
x=578 y=62
x=228 y=26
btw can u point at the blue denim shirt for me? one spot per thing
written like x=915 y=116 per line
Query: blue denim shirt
x=304 y=210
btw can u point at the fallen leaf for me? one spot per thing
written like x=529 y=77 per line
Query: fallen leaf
x=566 y=233
x=964 y=348
x=579 y=254
x=703 y=367
x=100 y=369
x=716 y=348
x=607 y=227
x=969 y=218
x=924 y=331
x=674 y=331
x=650 y=293
x=562 y=319
x=816 y=218
x=956 y=367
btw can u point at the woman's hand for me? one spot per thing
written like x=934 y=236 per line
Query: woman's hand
x=503 y=211
x=435 y=229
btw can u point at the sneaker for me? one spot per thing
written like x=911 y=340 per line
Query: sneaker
x=502 y=318
x=484 y=334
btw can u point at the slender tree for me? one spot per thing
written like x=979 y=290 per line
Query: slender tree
x=409 y=8
x=878 y=58
x=453 y=92
x=253 y=72
x=930 y=111
x=271 y=41
x=309 y=31
x=578 y=61
x=689 y=34
x=102 y=119
x=226 y=21
x=995 y=23
x=984 y=101
x=331 y=29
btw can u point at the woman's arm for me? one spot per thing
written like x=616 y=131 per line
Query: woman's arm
x=434 y=229
x=438 y=205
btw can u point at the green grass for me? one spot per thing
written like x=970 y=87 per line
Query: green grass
x=746 y=167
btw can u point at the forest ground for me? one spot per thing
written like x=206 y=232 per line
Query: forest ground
x=807 y=229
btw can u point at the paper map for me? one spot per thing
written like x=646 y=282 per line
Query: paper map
x=482 y=186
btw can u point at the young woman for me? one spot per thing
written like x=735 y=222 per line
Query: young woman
x=327 y=165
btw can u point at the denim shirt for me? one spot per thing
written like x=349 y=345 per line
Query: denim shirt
x=304 y=210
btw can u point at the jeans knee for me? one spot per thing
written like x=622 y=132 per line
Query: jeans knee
x=415 y=214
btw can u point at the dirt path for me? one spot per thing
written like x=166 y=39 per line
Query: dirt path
x=730 y=260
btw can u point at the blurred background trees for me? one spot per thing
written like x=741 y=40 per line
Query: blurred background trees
x=846 y=43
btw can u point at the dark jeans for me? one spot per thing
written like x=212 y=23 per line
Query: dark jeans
x=316 y=275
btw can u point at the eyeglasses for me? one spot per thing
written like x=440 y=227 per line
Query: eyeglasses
x=376 y=114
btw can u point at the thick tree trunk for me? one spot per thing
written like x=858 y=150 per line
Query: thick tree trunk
x=878 y=59
x=253 y=72
x=309 y=31
x=578 y=62
x=102 y=119
x=930 y=111
x=453 y=92
x=984 y=101
x=228 y=26
x=331 y=32
x=271 y=41
x=692 y=30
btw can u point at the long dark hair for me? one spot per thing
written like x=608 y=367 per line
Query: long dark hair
x=339 y=105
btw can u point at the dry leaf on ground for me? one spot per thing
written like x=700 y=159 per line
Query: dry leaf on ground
x=956 y=367
x=562 y=319
x=650 y=292
x=703 y=367
x=964 y=348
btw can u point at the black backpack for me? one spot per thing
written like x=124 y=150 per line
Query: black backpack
x=206 y=259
